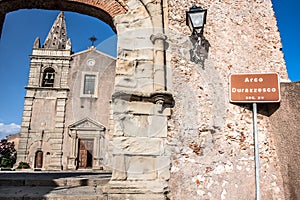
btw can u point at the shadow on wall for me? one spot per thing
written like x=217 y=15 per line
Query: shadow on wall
x=265 y=109
x=286 y=136
x=200 y=51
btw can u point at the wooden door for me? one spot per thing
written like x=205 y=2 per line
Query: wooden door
x=85 y=156
x=39 y=159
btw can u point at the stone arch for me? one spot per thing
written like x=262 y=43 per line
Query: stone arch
x=104 y=10
x=141 y=76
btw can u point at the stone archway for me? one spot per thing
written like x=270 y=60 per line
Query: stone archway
x=103 y=10
x=141 y=102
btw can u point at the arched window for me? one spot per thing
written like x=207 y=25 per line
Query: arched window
x=48 y=78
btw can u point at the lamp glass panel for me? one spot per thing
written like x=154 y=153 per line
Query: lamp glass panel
x=190 y=24
x=197 y=19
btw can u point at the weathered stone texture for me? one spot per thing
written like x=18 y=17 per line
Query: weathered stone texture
x=285 y=131
x=210 y=139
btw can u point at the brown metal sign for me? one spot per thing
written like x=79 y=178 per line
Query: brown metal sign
x=255 y=88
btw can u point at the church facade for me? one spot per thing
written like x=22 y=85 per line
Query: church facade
x=67 y=105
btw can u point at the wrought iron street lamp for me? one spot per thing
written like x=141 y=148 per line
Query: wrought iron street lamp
x=195 y=19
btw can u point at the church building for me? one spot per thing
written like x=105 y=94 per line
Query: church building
x=67 y=107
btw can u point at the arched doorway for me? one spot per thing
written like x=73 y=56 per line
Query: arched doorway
x=38 y=161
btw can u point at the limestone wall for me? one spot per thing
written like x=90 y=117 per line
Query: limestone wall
x=286 y=134
x=207 y=140
x=210 y=139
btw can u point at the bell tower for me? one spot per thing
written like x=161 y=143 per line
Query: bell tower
x=43 y=118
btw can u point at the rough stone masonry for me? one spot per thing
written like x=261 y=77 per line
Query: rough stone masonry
x=173 y=132
x=210 y=139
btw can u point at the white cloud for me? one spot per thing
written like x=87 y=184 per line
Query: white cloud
x=6 y=129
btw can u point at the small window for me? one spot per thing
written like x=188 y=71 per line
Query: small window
x=48 y=78
x=89 y=84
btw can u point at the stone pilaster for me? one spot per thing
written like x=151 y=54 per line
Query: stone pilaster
x=25 y=130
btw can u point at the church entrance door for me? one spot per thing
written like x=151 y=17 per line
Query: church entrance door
x=38 y=159
x=85 y=156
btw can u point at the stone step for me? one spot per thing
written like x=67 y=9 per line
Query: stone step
x=51 y=193
x=54 y=178
x=56 y=182
x=53 y=185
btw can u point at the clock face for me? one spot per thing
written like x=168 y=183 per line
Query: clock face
x=91 y=62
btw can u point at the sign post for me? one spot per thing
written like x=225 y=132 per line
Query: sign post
x=256 y=152
x=254 y=88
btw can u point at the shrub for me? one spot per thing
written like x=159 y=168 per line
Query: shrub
x=23 y=165
x=6 y=163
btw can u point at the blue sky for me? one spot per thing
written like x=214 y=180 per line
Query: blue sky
x=288 y=22
x=22 y=27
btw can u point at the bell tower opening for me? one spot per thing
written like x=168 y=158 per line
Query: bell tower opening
x=48 y=78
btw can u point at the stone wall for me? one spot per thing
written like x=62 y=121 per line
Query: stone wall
x=210 y=139
x=286 y=134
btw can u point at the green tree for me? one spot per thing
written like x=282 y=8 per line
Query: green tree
x=8 y=154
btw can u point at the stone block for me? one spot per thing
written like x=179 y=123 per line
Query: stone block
x=144 y=69
x=26 y=113
x=141 y=168
x=59 y=125
x=163 y=167
x=141 y=125
x=138 y=146
x=60 y=114
x=120 y=106
x=30 y=93
x=140 y=107
x=158 y=128
x=119 y=168
x=133 y=4
x=125 y=81
x=28 y=102
x=27 y=108
x=135 y=15
x=61 y=102
x=144 y=85
x=136 y=196
x=125 y=67
x=27 y=123
x=56 y=146
x=26 y=119
x=61 y=109
x=118 y=125
x=135 y=187
x=141 y=54
x=136 y=39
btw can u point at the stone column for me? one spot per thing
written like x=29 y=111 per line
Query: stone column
x=158 y=40
x=141 y=106
x=72 y=158
x=140 y=159
x=97 y=147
